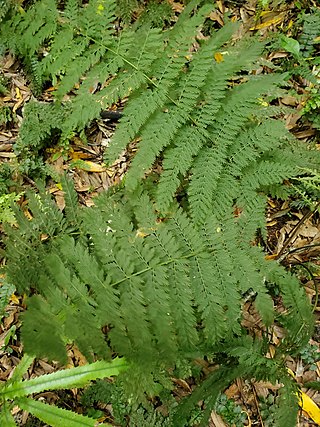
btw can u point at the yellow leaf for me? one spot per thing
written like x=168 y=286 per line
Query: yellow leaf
x=290 y=24
x=141 y=233
x=274 y=20
x=88 y=166
x=75 y=155
x=28 y=214
x=14 y=299
x=218 y=57
x=270 y=257
x=290 y=371
x=18 y=93
x=310 y=407
x=307 y=404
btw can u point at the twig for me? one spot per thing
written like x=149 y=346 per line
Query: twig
x=294 y=232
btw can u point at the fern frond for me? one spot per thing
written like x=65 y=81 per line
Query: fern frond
x=126 y=8
x=210 y=388
x=253 y=142
x=157 y=280
x=43 y=331
x=311 y=24
x=71 y=10
x=165 y=71
x=177 y=162
x=37 y=24
x=71 y=201
x=225 y=129
x=206 y=287
x=294 y=299
x=159 y=132
x=286 y=410
x=6 y=290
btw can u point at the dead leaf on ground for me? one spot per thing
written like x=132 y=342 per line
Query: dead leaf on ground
x=87 y=166
x=267 y=19
x=216 y=421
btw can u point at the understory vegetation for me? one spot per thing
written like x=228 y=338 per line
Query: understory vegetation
x=158 y=271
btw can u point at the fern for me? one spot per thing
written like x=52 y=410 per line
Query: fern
x=6 y=290
x=310 y=31
x=163 y=288
x=157 y=270
x=243 y=351
x=78 y=46
x=306 y=189
x=4 y=8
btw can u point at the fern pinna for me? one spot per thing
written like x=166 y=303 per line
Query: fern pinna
x=157 y=271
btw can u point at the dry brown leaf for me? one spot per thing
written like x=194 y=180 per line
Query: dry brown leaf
x=59 y=197
x=289 y=100
x=182 y=383
x=217 y=16
x=176 y=7
x=216 y=421
x=305 y=133
x=232 y=391
x=7 y=155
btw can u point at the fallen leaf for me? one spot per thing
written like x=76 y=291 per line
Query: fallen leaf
x=305 y=133
x=18 y=93
x=87 y=166
x=309 y=407
x=270 y=257
x=176 y=7
x=216 y=16
x=59 y=197
x=269 y=18
x=307 y=404
x=218 y=57
x=182 y=383
x=76 y=155
x=216 y=420
x=289 y=100
x=14 y=299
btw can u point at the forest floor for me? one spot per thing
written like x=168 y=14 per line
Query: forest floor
x=293 y=231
